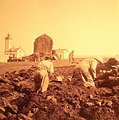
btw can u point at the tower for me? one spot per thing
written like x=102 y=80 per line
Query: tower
x=8 y=41
x=43 y=45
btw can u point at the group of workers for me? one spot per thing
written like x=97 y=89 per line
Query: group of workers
x=85 y=69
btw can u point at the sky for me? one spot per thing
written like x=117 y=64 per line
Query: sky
x=89 y=27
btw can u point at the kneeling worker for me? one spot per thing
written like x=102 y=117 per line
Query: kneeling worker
x=44 y=70
x=86 y=70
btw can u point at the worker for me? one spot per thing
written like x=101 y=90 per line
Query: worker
x=86 y=70
x=44 y=70
x=71 y=57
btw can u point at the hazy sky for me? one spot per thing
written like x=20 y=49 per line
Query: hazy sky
x=89 y=27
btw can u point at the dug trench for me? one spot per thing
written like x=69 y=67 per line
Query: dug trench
x=66 y=100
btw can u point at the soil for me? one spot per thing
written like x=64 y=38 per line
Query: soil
x=66 y=100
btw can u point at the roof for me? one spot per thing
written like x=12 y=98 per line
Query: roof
x=8 y=36
x=15 y=49
x=43 y=37
x=60 y=50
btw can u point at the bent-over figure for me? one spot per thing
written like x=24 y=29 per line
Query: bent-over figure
x=86 y=70
x=44 y=70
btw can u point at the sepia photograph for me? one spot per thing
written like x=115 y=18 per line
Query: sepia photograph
x=59 y=59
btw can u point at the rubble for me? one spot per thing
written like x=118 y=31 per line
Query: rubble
x=63 y=100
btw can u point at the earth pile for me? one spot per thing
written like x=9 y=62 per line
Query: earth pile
x=63 y=100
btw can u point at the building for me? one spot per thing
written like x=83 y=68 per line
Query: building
x=11 y=52
x=8 y=42
x=15 y=53
x=43 y=45
x=61 y=53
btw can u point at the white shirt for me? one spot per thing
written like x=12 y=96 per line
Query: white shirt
x=46 y=65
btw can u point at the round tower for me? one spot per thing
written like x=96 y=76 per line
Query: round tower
x=8 y=41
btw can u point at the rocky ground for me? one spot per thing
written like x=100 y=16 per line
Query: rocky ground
x=66 y=100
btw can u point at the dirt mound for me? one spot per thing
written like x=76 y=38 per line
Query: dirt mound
x=63 y=100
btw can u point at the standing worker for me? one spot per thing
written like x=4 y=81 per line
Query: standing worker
x=86 y=70
x=71 y=57
x=44 y=70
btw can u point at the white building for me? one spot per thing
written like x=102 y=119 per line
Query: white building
x=16 y=53
x=8 y=42
x=61 y=53
x=11 y=52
